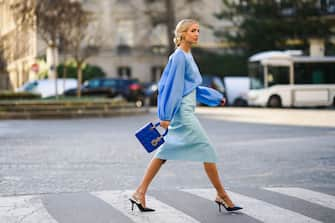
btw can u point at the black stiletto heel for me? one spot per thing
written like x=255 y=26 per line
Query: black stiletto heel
x=220 y=201
x=132 y=204
x=219 y=205
x=139 y=205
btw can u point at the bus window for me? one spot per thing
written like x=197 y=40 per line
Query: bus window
x=314 y=73
x=318 y=77
x=278 y=75
x=256 y=75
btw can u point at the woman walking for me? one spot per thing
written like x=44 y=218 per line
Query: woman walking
x=178 y=91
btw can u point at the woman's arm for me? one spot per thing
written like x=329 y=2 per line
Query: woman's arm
x=171 y=87
x=209 y=96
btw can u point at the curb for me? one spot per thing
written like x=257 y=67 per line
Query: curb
x=68 y=110
x=72 y=114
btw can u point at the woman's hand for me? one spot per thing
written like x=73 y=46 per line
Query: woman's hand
x=223 y=102
x=165 y=124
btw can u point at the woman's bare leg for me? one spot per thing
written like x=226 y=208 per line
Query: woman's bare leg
x=214 y=177
x=152 y=169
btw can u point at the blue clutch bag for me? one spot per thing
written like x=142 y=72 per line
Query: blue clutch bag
x=150 y=137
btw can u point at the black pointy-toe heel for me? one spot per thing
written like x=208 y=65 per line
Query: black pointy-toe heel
x=220 y=201
x=136 y=202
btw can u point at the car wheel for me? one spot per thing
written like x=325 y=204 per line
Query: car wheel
x=139 y=103
x=240 y=102
x=274 y=102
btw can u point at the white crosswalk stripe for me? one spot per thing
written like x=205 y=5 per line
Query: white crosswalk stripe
x=166 y=213
x=307 y=195
x=258 y=209
x=24 y=209
x=30 y=209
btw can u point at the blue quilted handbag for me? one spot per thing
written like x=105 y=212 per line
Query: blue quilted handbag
x=150 y=137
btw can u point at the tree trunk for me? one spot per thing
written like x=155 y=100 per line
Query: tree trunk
x=171 y=22
x=79 y=78
x=64 y=75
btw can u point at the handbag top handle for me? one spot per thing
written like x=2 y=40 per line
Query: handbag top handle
x=157 y=124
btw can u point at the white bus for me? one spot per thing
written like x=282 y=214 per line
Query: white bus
x=288 y=79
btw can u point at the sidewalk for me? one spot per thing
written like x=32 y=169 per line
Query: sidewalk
x=301 y=117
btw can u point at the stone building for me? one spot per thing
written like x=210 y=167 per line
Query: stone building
x=19 y=49
x=131 y=47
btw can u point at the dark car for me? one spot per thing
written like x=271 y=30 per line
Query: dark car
x=151 y=92
x=151 y=88
x=130 y=89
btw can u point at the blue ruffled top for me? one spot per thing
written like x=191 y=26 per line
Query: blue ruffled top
x=180 y=77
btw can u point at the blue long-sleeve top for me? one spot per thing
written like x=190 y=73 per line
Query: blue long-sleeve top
x=180 y=77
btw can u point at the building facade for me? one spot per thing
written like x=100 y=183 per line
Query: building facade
x=18 y=49
x=130 y=47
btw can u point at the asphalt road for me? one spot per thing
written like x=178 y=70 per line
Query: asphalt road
x=63 y=168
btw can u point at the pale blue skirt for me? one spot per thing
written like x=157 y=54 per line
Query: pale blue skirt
x=186 y=139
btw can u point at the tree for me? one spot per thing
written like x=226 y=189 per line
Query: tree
x=48 y=18
x=213 y=63
x=81 y=40
x=58 y=21
x=270 y=24
x=89 y=71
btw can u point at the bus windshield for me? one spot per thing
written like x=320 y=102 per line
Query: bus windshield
x=256 y=75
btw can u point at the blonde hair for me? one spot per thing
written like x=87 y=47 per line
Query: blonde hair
x=181 y=27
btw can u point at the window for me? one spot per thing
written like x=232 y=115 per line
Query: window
x=278 y=75
x=156 y=72
x=125 y=33
x=256 y=75
x=124 y=72
x=314 y=73
x=31 y=86
x=328 y=6
x=109 y=83
x=93 y=83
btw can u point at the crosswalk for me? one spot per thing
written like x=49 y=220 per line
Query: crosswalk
x=275 y=205
x=308 y=195
x=119 y=200
x=254 y=205
x=25 y=209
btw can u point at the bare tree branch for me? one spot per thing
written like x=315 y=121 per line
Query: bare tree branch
x=80 y=39
x=59 y=21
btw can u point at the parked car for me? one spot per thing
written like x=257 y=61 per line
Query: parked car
x=46 y=88
x=151 y=92
x=236 y=89
x=130 y=89
x=151 y=88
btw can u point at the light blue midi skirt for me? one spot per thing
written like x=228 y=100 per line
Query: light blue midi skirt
x=186 y=139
